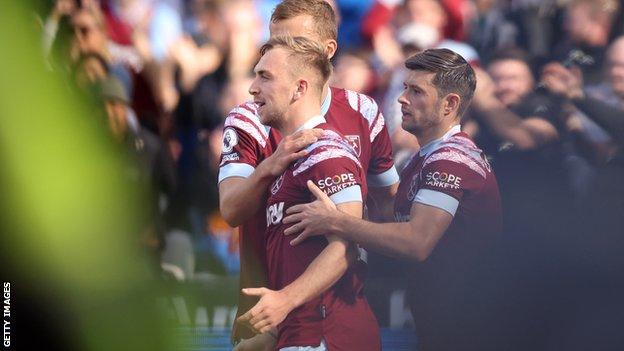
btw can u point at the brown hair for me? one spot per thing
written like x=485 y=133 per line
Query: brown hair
x=309 y=53
x=321 y=12
x=452 y=73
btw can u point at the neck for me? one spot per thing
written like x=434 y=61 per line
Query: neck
x=325 y=91
x=431 y=134
x=298 y=114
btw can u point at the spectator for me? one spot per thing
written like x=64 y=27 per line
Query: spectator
x=612 y=90
x=151 y=168
x=588 y=24
x=353 y=72
x=490 y=29
x=90 y=37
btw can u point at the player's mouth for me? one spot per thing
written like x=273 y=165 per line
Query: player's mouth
x=259 y=104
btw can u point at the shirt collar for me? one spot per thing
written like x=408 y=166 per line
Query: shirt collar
x=311 y=123
x=427 y=149
x=326 y=102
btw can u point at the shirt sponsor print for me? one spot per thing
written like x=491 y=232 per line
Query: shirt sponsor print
x=274 y=214
x=336 y=183
x=442 y=180
x=229 y=158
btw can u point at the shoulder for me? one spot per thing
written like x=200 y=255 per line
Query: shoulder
x=245 y=118
x=330 y=146
x=364 y=106
x=458 y=153
x=357 y=102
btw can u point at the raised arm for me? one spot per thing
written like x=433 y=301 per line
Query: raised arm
x=526 y=134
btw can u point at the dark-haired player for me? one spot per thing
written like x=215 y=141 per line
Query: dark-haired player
x=447 y=209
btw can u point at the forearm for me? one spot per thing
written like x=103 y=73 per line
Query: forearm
x=609 y=118
x=242 y=200
x=387 y=238
x=324 y=271
x=506 y=125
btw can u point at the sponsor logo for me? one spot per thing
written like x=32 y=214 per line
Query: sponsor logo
x=230 y=139
x=229 y=158
x=354 y=141
x=334 y=184
x=277 y=184
x=275 y=213
x=443 y=180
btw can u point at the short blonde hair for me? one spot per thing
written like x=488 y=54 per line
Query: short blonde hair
x=322 y=13
x=309 y=53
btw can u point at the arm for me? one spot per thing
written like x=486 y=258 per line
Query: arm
x=240 y=197
x=525 y=134
x=608 y=117
x=321 y=274
x=382 y=177
x=381 y=202
x=568 y=83
x=415 y=239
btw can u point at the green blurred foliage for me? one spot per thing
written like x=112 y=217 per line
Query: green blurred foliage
x=69 y=218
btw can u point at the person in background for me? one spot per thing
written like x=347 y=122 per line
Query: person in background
x=150 y=165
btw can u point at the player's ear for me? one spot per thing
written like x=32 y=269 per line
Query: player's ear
x=330 y=48
x=302 y=88
x=451 y=103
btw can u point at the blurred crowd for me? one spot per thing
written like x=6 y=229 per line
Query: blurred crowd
x=548 y=110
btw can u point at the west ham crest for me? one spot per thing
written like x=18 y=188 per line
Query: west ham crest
x=354 y=141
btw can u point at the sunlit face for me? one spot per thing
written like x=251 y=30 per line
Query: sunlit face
x=615 y=71
x=578 y=23
x=117 y=122
x=274 y=86
x=420 y=102
x=302 y=26
x=88 y=36
x=513 y=80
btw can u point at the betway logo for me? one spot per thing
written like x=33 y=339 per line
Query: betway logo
x=275 y=213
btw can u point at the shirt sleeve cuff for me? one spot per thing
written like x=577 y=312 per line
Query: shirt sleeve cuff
x=350 y=194
x=437 y=199
x=386 y=178
x=235 y=170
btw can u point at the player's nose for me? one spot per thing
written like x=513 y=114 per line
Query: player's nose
x=253 y=88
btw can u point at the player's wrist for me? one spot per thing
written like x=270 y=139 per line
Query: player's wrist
x=291 y=298
x=266 y=169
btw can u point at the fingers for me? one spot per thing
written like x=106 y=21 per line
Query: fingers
x=318 y=193
x=297 y=155
x=299 y=239
x=317 y=132
x=294 y=218
x=244 y=319
x=296 y=209
x=254 y=291
x=294 y=229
